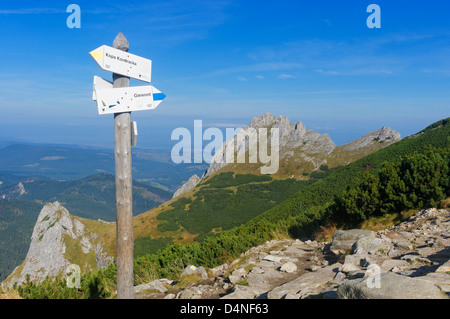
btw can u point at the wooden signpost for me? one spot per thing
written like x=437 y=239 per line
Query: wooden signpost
x=120 y=99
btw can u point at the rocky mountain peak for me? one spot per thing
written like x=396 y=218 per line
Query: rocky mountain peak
x=264 y=120
x=300 y=150
x=50 y=248
x=288 y=131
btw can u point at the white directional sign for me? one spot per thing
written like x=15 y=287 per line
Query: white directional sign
x=121 y=62
x=126 y=99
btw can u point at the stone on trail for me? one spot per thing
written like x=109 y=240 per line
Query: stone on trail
x=154 y=285
x=445 y=268
x=343 y=240
x=311 y=280
x=389 y=286
x=288 y=267
x=397 y=264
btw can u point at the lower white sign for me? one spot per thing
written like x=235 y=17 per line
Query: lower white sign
x=118 y=100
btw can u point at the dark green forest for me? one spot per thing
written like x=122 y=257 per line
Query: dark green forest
x=226 y=201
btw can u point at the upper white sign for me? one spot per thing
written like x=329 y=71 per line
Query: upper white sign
x=121 y=62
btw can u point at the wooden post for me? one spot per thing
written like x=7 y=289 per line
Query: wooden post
x=124 y=200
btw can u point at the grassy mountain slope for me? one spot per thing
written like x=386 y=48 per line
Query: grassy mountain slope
x=220 y=203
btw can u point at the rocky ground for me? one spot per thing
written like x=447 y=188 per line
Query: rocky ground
x=409 y=260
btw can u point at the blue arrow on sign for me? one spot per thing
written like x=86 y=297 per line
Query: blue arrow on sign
x=158 y=96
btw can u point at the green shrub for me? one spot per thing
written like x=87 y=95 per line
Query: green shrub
x=417 y=181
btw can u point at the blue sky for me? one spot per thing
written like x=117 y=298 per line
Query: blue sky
x=225 y=62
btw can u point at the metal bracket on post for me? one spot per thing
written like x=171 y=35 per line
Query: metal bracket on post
x=134 y=133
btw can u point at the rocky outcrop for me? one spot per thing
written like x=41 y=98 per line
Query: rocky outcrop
x=406 y=261
x=383 y=135
x=191 y=183
x=344 y=240
x=59 y=240
x=13 y=191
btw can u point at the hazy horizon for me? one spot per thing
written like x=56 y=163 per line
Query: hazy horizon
x=152 y=136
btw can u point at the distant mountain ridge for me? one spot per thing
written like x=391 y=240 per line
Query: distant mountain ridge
x=92 y=196
x=74 y=162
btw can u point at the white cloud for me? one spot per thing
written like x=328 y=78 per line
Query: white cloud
x=32 y=11
x=286 y=76
x=370 y=71
x=329 y=72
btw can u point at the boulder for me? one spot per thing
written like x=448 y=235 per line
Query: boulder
x=258 y=281
x=288 y=267
x=349 y=268
x=352 y=263
x=444 y=268
x=441 y=280
x=404 y=245
x=234 y=279
x=272 y=258
x=310 y=281
x=263 y=280
x=369 y=245
x=154 y=285
x=191 y=269
x=397 y=264
x=239 y=272
x=343 y=240
x=244 y=292
x=388 y=286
